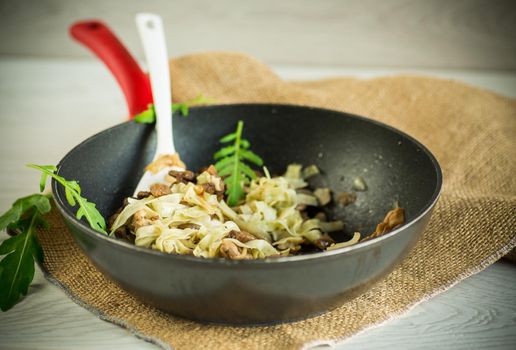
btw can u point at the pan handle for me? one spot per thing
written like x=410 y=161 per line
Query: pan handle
x=99 y=38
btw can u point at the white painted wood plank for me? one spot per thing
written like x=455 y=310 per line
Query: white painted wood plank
x=48 y=106
x=476 y=314
x=362 y=33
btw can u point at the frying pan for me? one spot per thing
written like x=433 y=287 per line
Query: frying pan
x=395 y=167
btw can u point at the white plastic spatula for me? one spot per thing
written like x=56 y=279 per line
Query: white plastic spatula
x=152 y=35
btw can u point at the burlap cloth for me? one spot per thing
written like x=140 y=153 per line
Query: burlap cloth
x=472 y=133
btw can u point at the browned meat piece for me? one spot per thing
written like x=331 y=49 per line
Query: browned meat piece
x=143 y=194
x=142 y=218
x=220 y=194
x=209 y=187
x=189 y=225
x=211 y=170
x=324 y=242
x=124 y=233
x=182 y=176
x=393 y=219
x=229 y=250
x=159 y=189
x=345 y=198
x=242 y=236
x=112 y=218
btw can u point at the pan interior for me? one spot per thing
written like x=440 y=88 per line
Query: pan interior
x=395 y=168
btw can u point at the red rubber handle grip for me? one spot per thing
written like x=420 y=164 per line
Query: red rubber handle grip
x=135 y=84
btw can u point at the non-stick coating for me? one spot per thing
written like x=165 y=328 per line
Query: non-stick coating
x=395 y=167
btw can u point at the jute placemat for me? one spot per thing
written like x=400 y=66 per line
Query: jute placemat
x=472 y=133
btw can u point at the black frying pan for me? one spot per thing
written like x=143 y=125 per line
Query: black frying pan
x=394 y=166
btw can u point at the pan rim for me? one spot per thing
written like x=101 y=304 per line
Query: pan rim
x=117 y=243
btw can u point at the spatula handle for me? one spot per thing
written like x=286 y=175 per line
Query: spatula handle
x=99 y=38
x=152 y=36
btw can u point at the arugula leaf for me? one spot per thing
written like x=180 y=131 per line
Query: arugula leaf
x=228 y=138
x=252 y=157
x=148 y=116
x=21 y=250
x=73 y=196
x=17 y=267
x=231 y=164
x=22 y=205
x=184 y=107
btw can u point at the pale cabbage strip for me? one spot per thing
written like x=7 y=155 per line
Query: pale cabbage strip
x=354 y=240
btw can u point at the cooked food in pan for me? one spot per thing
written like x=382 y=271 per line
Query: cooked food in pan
x=210 y=215
x=188 y=214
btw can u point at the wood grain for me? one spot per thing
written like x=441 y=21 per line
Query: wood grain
x=360 y=33
x=48 y=106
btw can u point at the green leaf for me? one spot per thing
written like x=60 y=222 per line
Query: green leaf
x=9 y=245
x=37 y=251
x=252 y=157
x=224 y=162
x=74 y=185
x=245 y=144
x=69 y=196
x=90 y=212
x=17 y=267
x=231 y=164
x=148 y=116
x=20 y=251
x=182 y=107
x=42 y=182
x=235 y=190
x=49 y=167
x=73 y=196
x=71 y=189
x=247 y=171
x=228 y=138
x=201 y=100
x=10 y=216
x=224 y=152
x=225 y=171
x=22 y=205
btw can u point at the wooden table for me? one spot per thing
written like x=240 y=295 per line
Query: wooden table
x=49 y=106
